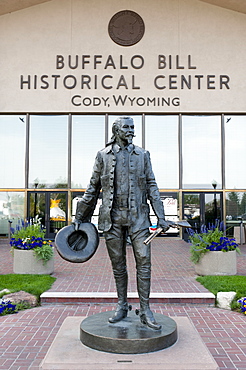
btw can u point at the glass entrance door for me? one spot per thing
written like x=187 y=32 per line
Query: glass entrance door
x=50 y=208
x=201 y=209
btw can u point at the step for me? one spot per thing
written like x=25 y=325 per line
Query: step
x=111 y=297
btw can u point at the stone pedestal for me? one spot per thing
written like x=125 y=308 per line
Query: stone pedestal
x=127 y=336
x=67 y=352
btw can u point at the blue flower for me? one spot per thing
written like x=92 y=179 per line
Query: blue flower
x=7 y=307
x=204 y=230
x=242 y=301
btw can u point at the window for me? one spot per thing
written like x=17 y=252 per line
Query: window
x=201 y=144
x=235 y=139
x=88 y=137
x=48 y=151
x=11 y=209
x=235 y=214
x=12 y=151
x=162 y=143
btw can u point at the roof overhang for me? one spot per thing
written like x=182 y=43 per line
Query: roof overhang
x=9 y=6
x=236 y=5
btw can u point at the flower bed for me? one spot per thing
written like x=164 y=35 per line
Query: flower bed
x=210 y=239
x=30 y=238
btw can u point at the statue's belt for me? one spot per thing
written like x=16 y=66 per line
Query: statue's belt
x=121 y=201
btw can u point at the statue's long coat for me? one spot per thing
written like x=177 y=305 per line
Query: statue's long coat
x=142 y=186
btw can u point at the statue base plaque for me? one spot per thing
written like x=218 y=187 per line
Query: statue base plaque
x=128 y=336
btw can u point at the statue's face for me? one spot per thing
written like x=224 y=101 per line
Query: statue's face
x=125 y=130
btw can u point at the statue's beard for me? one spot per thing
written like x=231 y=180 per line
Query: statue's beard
x=126 y=140
x=130 y=138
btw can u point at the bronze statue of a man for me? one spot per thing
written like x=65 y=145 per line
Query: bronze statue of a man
x=123 y=171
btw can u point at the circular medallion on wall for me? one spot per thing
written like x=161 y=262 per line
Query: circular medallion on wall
x=126 y=28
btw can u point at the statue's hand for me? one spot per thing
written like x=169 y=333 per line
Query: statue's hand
x=76 y=224
x=171 y=223
x=163 y=224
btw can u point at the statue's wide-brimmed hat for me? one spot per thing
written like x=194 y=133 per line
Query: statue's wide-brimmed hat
x=77 y=245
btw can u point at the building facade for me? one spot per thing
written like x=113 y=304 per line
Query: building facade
x=70 y=67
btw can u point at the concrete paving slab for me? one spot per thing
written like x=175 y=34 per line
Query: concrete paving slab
x=188 y=353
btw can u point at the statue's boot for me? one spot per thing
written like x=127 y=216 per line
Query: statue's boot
x=146 y=315
x=120 y=313
x=122 y=306
x=147 y=318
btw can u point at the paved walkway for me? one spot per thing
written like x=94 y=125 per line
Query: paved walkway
x=26 y=336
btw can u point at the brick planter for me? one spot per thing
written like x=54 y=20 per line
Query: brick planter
x=217 y=263
x=25 y=262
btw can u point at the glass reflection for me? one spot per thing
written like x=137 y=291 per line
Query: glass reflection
x=235 y=205
x=236 y=214
x=191 y=205
x=37 y=207
x=191 y=212
x=11 y=209
x=212 y=208
x=50 y=208
x=235 y=139
x=88 y=137
x=48 y=151
x=171 y=207
x=57 y=211
x=201 y=145
x=137 y=123
x=12 y=151
x=162 y=142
